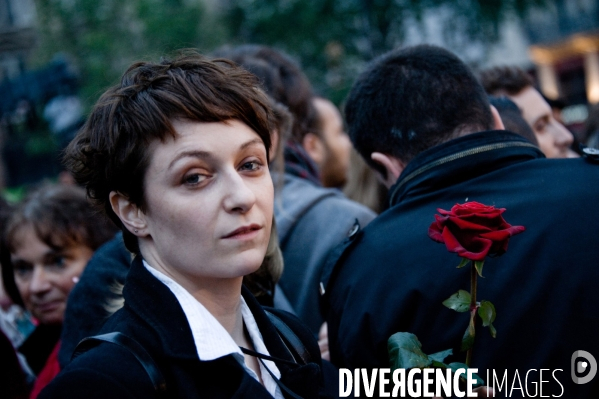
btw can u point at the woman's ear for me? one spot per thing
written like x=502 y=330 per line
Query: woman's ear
x=392 y=166
x=131 y=216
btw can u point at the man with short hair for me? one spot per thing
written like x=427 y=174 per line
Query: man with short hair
x=328 y=145
x=553 y=137
x=419 y=117
x=512 y=119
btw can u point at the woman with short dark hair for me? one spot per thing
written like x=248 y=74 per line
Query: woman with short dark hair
x=177 y=156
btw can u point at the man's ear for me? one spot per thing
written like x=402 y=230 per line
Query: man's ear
x=131 y=216
x=392 y=166
x=497 y=122
x=314 y=146
x=274 y=145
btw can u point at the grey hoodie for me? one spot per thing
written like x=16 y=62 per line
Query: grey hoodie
x=311 y=221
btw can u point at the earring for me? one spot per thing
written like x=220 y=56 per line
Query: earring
x=136 y=230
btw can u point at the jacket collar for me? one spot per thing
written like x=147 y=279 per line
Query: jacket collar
x=154 y=303
x=452 y=162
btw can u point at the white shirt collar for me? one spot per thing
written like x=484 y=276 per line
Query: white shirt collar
x=211 y=339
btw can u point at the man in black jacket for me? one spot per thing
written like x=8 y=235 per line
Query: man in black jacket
x=422 y=121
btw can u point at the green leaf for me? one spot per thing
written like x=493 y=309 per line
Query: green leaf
x=479 y=267
x=493 y=331
x=440 y=356
x=486 y=311
x=460 y=301
x=405 y=351
x=455 y=366
x=439 y=365
x=468 y=338
x=463 y=263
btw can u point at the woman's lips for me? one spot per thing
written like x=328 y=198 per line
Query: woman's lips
x=48 y=306
x=244 y=232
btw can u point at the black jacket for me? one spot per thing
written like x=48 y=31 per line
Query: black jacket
x=86 y=308
x=392 y=277
x=153 y=317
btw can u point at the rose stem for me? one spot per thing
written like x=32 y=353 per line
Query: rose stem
x=473 y=279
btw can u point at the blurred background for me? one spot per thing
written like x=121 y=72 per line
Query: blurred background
x=58 y=56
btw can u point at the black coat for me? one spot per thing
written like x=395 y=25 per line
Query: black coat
x=153 y=317
x=392 y=277
x=86 y=308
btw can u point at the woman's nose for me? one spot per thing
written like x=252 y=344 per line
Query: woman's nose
x=39 y=281
x=239 y=197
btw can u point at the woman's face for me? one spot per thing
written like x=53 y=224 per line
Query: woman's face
x=45 y=276
x=209 y=198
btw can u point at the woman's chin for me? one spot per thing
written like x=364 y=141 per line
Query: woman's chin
x=248 y=263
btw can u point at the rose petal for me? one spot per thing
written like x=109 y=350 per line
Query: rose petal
x=435 y=233
x=497 y=235
x=480 y=255
x=443 y=211
x=451 y=243
x=467 y=225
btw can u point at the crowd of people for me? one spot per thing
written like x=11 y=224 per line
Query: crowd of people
x=208 y=250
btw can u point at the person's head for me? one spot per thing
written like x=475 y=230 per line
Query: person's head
x=409 y=100
x=553 y=138
x=281 y=78
x=50 y=237
x=329 y=145
x=512 y=118
x=177 y=156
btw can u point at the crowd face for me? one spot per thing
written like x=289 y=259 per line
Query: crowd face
x=45 y=276
x=209 y=203
x=554 y=139
x=336 y=145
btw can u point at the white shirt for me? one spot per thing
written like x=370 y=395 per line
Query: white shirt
x=211 y=339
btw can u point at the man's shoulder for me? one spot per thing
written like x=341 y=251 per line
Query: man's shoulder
x=303 y=201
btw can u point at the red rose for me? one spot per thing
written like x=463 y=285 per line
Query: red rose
x=473 y=230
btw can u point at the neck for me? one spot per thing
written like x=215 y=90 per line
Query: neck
x=220 y=296
x=222 y=300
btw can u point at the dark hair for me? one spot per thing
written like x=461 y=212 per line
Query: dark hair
x=411 y=99
x=282 y=79
x=10 y=287
x=61 y=217
x=505 y=80
x=110 y=153
x=512 y=119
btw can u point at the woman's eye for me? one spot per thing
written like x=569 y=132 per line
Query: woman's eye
x=194 y=179
x=251 y=166
x=22 y=270
x=57 y=261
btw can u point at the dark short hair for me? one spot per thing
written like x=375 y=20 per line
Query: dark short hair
x=61 y=216
x=110 y=153
x=411 y=99
x=512 y=118
x=505 y=80
x=282 y=79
